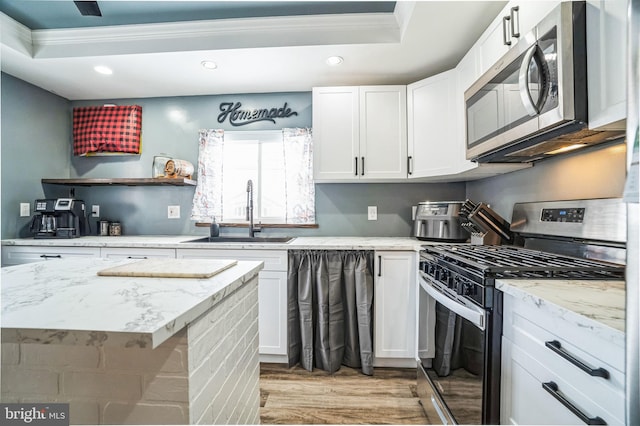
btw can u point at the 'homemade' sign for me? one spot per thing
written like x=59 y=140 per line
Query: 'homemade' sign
x=233 y=112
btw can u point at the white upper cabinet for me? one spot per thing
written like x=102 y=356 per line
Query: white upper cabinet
x=383 y=132
x=434 y=148
x=606 y=64
x=360 y=133
x=512 y=23
x=336 y=133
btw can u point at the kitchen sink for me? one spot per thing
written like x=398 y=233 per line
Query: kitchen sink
x=241 y=240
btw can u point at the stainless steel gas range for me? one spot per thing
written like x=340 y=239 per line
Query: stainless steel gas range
x=460 y=324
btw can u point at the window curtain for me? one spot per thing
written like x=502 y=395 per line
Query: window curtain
x=297 y=146
x=207 y=200
x=330 y=305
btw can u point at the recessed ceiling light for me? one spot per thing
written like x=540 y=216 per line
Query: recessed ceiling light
x=103 y=70
x=210 y=65
x=334 y=60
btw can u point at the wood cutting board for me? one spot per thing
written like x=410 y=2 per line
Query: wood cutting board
x=170 y=268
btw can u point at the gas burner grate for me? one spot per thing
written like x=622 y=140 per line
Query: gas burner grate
x=519 y=262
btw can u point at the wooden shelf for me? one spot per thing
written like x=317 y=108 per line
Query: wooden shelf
x=122 y=182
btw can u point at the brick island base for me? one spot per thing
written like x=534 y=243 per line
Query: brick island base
x=207 y=373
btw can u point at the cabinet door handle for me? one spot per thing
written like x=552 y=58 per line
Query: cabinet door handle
x=556 y=347
x=356 y=161
x=552 y=388
x=379 y=266
x=362 y=172
x=515 y=21
x=51 y=256
x=409 y=164
x=505 y=30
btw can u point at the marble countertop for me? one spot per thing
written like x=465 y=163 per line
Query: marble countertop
x=597 y=305
x=182 y=241
x=66 y=302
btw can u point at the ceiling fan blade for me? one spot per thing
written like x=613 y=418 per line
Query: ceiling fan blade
x=88 y=8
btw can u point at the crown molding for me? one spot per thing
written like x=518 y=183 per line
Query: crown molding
x=311 y=30
x=15 y=35
x=403 y=12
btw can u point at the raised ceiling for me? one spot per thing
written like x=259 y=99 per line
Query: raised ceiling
x=155 y=48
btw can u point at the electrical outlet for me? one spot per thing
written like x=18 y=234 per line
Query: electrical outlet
x=95 y=210
x=173 y=212
x=25 y=209
x=372 y=212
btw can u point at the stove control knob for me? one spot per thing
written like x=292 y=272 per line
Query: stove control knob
x=468 y=289
x=431 y=270
x=451 y=281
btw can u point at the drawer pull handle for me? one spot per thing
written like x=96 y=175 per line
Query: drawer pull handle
x=555 y=346
x=137 y=257
x=552 y=388
x=51 y=256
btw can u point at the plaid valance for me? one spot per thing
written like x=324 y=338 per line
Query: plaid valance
x=115 y=129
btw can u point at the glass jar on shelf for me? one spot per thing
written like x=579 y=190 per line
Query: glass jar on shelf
x=159 y=161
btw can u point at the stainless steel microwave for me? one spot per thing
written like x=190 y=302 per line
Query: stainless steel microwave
x=533 y=102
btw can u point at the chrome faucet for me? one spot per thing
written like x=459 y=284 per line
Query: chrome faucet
x=252 y=229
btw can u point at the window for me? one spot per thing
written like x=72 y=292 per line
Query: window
x=279 y=163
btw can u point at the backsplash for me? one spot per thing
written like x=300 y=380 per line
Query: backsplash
x=597 y=172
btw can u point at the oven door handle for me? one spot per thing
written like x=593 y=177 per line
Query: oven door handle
x=472 y=314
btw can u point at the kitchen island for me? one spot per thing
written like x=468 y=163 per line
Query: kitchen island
x=132 y=350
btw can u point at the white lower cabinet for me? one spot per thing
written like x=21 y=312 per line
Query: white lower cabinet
x=17 y=255
x=272 y=303
x=272 y=295
x=137 y=253
x=540 y=386
x=394 y=324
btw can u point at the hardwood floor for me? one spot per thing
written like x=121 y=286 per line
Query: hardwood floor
x=296 y=396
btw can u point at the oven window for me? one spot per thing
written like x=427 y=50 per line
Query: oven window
x=457 y=368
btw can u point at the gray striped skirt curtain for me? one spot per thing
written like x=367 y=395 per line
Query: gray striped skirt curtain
x=330 y=309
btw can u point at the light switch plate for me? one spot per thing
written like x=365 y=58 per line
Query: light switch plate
x=173 y=212
x=414 y=209
x=95 y=210
x=372 y=212
x=25 y=209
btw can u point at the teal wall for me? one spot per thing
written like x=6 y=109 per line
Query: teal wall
x=35 y=131
x=170 y=125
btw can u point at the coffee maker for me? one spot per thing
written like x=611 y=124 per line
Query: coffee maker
x=59 y=218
